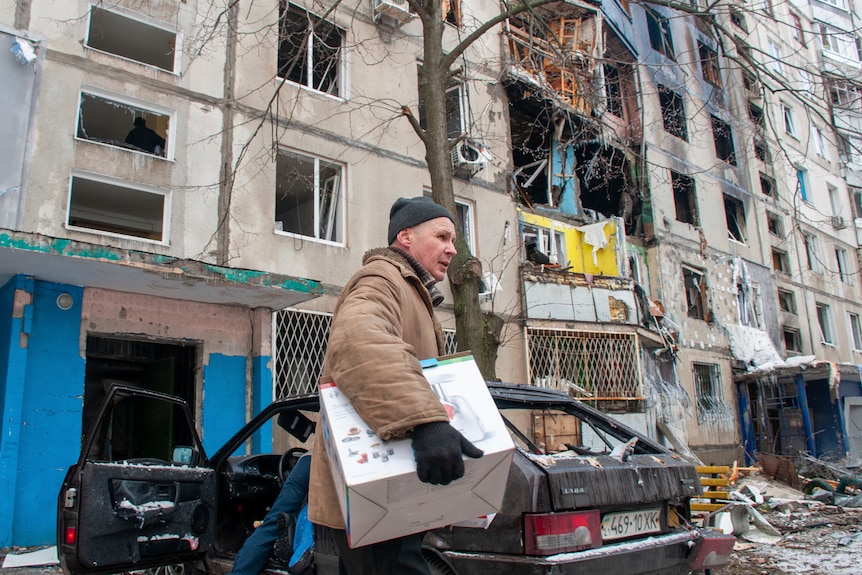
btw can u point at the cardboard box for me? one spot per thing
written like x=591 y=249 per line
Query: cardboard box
x=382 y=496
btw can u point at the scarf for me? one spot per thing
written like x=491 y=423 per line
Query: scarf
x=424 y=276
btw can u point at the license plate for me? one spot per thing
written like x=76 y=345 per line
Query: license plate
x=630 y=523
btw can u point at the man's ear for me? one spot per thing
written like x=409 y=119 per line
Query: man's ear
x=405 y=236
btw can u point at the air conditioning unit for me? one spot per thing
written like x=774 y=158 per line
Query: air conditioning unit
x=468 y=157
x=838 y=222
x=397 y=10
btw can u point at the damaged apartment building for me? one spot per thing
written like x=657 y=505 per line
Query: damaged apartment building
x=646 y=229
x=687 y=262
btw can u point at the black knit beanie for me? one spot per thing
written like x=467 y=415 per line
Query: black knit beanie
x=409 y=212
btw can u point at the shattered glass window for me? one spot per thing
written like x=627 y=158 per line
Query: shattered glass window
x=113 y=206
x=824 y=322
x=734 y=212
x=673 y=112
x=132 y=37
x=309 y=50
x=112 y=121
x=723 y=139
x=684 y=198
x=309 y=196
x=695 y=292
x=659 y=33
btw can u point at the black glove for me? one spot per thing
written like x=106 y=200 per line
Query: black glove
x=438 y=447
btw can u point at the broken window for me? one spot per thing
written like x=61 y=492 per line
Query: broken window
x=455 y=106
x=786 y=301
x=798 y=32
x=684 y=198
x=134 y=37
x=812 y=253
x=465 y=218
x=660 y=38
x=755 y=114
x=855 y=331
x=613 y=90
x=114 y=206
x=695 y=292
x=309 y=50
x=709 y=64
x=309 y=196
x=723 y=139
x=824 y=321
x=843 y=266
x=108 y=119
x=545 y=246
x=792 y=339
x=708 y=393
x=673 y=112
x=767 y=186
x=780 y=262
x=761 y=150
x=750 y=82
x=619 y=84
x=774 y=224
x=734 y=213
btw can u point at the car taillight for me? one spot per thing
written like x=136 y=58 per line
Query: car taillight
x=71 y=536
x=714 y=551
x=550 y=533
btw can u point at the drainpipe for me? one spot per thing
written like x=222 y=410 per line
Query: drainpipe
x=806 y=418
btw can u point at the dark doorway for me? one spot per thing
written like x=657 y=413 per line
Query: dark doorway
x=169 y=367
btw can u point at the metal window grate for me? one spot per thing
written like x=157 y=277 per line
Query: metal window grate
x=450 y=341
x=300 y=345
x=588 y=365
x=711 y=406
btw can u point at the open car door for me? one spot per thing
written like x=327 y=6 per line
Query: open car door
x=142 y=493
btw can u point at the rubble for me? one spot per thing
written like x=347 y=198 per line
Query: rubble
x=814 y=528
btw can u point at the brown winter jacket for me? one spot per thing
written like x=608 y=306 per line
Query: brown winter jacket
x=383 y=325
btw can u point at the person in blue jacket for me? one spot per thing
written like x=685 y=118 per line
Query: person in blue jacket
x=254 y=553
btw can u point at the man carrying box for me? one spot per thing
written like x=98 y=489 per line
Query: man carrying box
x=383 y=325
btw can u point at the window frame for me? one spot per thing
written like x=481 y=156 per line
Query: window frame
x=710 y=403
x=709 y=64
x=787 y=301
x=139 y=20
x=682 y=183
x=774 y=51
x=135 y=105
x=789 y=115
x=813 y=259
x=672 y=104
x=722 y=137
x=736 y=230
x=793 y=334
x=337 y=221
x=780 y=261
x=824 y=322
x=129 y=186
x=694 y=280
x=660 y=35
x=307 y=80
x=843 y=263
x=855 y=331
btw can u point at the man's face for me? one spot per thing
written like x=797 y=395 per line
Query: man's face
x=432 y=243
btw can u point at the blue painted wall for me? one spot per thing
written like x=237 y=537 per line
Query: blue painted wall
x=224 y=399
x=262 y=396
x=43 y=379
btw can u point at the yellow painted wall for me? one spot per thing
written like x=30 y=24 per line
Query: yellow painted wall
x=579 y=253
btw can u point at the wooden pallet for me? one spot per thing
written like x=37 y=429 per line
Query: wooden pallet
x=712 y=477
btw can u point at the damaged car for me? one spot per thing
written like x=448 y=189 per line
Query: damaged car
x=585 y=494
